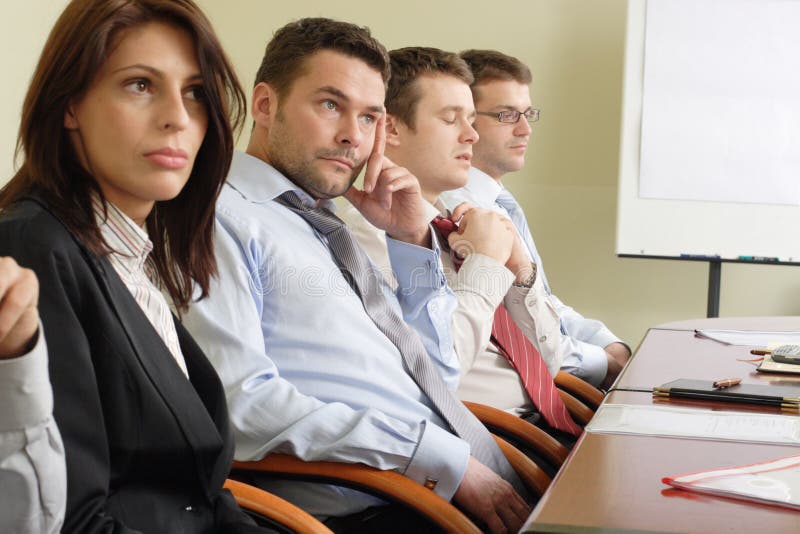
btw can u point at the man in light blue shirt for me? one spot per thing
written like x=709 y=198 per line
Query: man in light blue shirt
x=501 y=91
x=306 y=370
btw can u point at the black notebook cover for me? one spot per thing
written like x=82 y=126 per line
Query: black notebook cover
x=749 y=393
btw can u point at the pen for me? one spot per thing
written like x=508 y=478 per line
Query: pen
x=759 y=258
x=760 y=352
x=726 y=382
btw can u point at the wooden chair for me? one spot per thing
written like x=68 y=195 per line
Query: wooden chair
x=392 y=486
x=525 y=433
x=582 y=390
x=581 y=413
x=388 y=485
x=275 y=509
x=531 y=474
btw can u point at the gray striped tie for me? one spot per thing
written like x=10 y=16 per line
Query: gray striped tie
x=366 y=281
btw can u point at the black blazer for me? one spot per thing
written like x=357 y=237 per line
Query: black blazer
x=147 y=450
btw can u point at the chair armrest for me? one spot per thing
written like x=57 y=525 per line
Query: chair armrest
x=276 y=509
x=388 y=485
x=532 y=436
x=581 y=389
x=578 y=410
x=531 y=474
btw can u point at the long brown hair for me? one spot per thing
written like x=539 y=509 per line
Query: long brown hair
x=181 y=229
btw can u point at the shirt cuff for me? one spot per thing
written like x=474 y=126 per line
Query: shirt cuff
x=415 y=266
x=440 y=457
x=605 y=337
x=484 y=276
x=591 y=364
x=25 y=393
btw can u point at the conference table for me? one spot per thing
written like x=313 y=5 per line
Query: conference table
x=612 y=482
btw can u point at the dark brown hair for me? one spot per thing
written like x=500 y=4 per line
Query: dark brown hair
x=181 y=229
x=294 y=43
x=490 y=65
x=408 y=64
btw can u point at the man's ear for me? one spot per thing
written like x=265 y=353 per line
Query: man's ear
x=70 y=120
x=393 y=127
x=265 y=104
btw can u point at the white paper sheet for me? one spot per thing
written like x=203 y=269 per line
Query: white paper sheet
x=650 y=420
x=750 y=338
x=773 y=482
x=721 y=103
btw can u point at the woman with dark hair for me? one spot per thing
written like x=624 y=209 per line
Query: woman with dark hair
x=126 y=139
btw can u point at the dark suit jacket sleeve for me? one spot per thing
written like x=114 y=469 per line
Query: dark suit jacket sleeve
x=77 y=409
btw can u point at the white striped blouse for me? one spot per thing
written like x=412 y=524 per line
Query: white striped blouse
x=131 y=248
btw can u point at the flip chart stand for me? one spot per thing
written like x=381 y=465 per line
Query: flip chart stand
x=714 y=278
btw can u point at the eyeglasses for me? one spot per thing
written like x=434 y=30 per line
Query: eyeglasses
x=512 y=115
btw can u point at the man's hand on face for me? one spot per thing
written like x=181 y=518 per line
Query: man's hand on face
x=19 y=315
x=391 y=199
x=490 y=499
x=482 y=231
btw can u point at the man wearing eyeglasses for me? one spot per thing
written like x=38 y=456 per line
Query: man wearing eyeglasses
x=501 y=92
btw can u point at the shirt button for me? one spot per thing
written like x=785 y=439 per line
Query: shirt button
x=542 y=339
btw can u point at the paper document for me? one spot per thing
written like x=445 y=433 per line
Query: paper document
x=750 y=338
x=773 y=482
x=649 y=420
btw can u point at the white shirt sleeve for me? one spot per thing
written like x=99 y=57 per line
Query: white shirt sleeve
x=33 y=475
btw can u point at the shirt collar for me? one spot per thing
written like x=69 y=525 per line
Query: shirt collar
x=434 y=210
x=128 y=241
x=259 y=182
x=482 y=186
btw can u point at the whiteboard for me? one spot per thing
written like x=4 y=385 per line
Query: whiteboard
x=749 y=207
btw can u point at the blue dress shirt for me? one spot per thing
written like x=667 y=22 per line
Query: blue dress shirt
x=306 y=371
x=584 y=351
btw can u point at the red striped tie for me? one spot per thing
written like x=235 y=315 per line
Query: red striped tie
x=525 y=359
x=536 y=378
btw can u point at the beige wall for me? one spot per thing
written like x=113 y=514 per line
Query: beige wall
x=568 y=188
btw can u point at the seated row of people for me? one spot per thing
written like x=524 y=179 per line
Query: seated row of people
x=130 y=200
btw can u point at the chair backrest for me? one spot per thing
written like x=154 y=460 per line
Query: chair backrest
x=523 y=432
x=531 y=474
x=584 y=391
x=388 y=485
x=275 y=509
x=581 y=413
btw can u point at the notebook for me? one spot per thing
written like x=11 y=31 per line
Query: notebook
x=787 y=397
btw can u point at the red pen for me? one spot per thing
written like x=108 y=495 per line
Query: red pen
x=726 y=382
